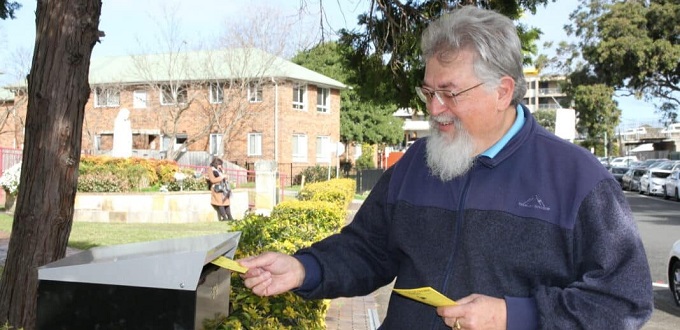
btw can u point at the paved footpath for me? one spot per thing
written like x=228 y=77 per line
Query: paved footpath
x=358 y=313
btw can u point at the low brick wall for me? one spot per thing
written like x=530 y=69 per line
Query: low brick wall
x=153 y=207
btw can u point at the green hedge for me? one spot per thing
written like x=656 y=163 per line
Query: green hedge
x=291 y=226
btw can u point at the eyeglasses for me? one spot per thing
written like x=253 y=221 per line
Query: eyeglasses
x=425 y=94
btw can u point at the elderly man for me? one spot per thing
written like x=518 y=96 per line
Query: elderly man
x=522 y=229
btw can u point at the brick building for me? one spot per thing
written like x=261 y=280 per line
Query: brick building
x=242 y=105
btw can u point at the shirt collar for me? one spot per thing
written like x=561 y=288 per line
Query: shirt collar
x=516 y=126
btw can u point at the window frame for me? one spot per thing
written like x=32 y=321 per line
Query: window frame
x=167 y=91
x=216 y=88
x=255 y=93
x=254 y=147
x=137 y=101
x=323 y=95
x=300 y=97
x=215 y=144
x=324 y=149
x=109 y=99
x=299 y=148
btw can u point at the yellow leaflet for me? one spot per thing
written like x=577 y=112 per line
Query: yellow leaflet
x=227 y=263
x=426 y=295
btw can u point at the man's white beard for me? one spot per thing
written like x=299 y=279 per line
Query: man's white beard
x=449 y=156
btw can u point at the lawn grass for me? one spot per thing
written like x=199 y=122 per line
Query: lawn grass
x=85 y=235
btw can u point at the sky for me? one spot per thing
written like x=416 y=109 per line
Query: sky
x=133 y=26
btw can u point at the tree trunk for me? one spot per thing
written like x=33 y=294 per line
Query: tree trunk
x=58 y=89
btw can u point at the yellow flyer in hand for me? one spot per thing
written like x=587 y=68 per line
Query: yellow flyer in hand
x=426 y=295
x=227 y=263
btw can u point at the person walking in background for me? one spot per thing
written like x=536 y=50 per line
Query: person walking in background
x=220 y=191
x=523 y=229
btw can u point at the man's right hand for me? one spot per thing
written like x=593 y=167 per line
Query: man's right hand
x=272 y=273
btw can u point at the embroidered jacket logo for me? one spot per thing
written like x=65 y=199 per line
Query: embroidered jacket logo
x=534 y=202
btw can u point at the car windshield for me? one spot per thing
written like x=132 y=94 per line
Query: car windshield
x=660 y=174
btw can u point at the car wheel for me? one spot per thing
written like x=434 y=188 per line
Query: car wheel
x=677 y=197
x=665 y=193
x=674 y=283
x=649 y=191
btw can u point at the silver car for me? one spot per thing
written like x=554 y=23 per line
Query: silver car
x=672 y=186
x=674 y=272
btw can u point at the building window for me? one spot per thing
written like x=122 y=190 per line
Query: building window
x=106 y=97
x=215 y=144
x=254 y=144
x=299 y=148
x=323 y=149
x=254 y=93
x=323 y=100
x=139 y=99
x=97 y=142
x=171 y=95
x=216 y=93
x=299 y=95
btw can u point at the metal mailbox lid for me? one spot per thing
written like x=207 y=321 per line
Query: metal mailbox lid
x=169 y=264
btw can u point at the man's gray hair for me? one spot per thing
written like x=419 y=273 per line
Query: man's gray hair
x=491 y=36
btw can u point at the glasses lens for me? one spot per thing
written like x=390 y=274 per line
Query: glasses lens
x=424 y=95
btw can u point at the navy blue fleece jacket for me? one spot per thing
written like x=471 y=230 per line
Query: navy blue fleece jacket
x=542 y=225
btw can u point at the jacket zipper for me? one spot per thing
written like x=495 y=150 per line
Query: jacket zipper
x=452 y=257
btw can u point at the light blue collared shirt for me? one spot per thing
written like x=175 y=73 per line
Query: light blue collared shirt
x=496 y=148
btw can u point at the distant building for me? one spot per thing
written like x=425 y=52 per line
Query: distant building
x=544 y=92
x=243 y=105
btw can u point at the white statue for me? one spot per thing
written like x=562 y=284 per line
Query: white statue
x=122 y=135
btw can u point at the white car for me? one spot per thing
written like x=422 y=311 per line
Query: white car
x=622 y=161
x=653 y=181
x=671 y=189
x=674 y=272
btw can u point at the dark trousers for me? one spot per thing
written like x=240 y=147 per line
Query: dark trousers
x=223 y=212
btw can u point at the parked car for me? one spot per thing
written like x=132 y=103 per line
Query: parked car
x=670 y=165
x=622 y=161
x=650 y=162
x=672 y=186
x=618 y=173
x=674 y=272
x=631 y=180
x=652 y=182
x=604 y=160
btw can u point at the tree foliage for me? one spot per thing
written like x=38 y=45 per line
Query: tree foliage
x=598 y=113
x=546 y=118
x=8 y=8
x=363 y=119
x=387 y=46
x=632 y=46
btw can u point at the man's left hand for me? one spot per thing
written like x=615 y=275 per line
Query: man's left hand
x=475 y=312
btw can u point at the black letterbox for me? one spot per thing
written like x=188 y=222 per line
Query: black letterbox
x=166 y=284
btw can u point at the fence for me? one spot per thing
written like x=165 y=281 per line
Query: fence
x=366 y=179
x=9 y=157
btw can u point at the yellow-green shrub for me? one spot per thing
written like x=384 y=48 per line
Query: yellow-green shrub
x=338 y=191
x=291 y=226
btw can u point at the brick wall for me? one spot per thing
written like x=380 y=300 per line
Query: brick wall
x=154 y=119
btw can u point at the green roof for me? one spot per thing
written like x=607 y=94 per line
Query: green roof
x=214 y=65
